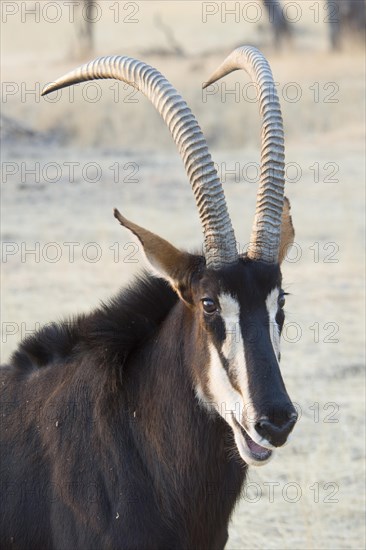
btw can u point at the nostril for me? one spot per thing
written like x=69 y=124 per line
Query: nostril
x=276 y=435
x=293 y=417
x=263 y=427
x=262 y=422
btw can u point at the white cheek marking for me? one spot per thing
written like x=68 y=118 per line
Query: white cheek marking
x=233 y=347
x=227 y=397
x=272 y=307
x=227 y=400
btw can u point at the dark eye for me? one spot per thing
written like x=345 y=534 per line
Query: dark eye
x=209 y=306
x=281 y=300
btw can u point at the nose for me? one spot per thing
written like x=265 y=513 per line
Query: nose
x=275 y=432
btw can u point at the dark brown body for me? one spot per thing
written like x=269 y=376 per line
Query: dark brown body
x=104 y=443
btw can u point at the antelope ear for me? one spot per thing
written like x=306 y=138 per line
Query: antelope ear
x=166 y=261
x=287 y=231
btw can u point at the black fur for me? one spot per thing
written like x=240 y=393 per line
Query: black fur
x=90 y=414
x=116 y=328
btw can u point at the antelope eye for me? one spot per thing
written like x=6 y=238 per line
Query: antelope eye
x=209 y=306
x=281 y=301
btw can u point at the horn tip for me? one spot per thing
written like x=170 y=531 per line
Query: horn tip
x=47 y=89
x=206 y=84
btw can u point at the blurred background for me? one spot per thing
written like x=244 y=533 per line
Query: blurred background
x=68 y=159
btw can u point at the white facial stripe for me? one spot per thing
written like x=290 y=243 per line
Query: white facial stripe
x=226 y=398
x=220 y=387
x=233 y=347
x=272 y=307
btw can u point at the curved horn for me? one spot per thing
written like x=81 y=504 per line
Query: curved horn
x=220 y=244
x=266 y=231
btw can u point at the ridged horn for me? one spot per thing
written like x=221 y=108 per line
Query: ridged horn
x=219 y=239
x=266 y=231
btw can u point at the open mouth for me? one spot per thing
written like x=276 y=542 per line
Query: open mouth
x=252 y=451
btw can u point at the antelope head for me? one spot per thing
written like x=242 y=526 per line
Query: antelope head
x=233 y=303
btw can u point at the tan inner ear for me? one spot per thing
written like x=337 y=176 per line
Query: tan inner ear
x=169 y=262
x=287 y=231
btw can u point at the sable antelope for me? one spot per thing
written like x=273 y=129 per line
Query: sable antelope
x=128 y=428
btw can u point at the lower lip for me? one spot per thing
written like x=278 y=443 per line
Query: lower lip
x=257 y=452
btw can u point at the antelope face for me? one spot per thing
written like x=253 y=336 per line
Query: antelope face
x=241 y=313
x=236 y=317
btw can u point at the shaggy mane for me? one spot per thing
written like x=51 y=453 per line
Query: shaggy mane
x=116 y=328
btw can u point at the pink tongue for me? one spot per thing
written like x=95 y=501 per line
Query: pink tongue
x=254 y=447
